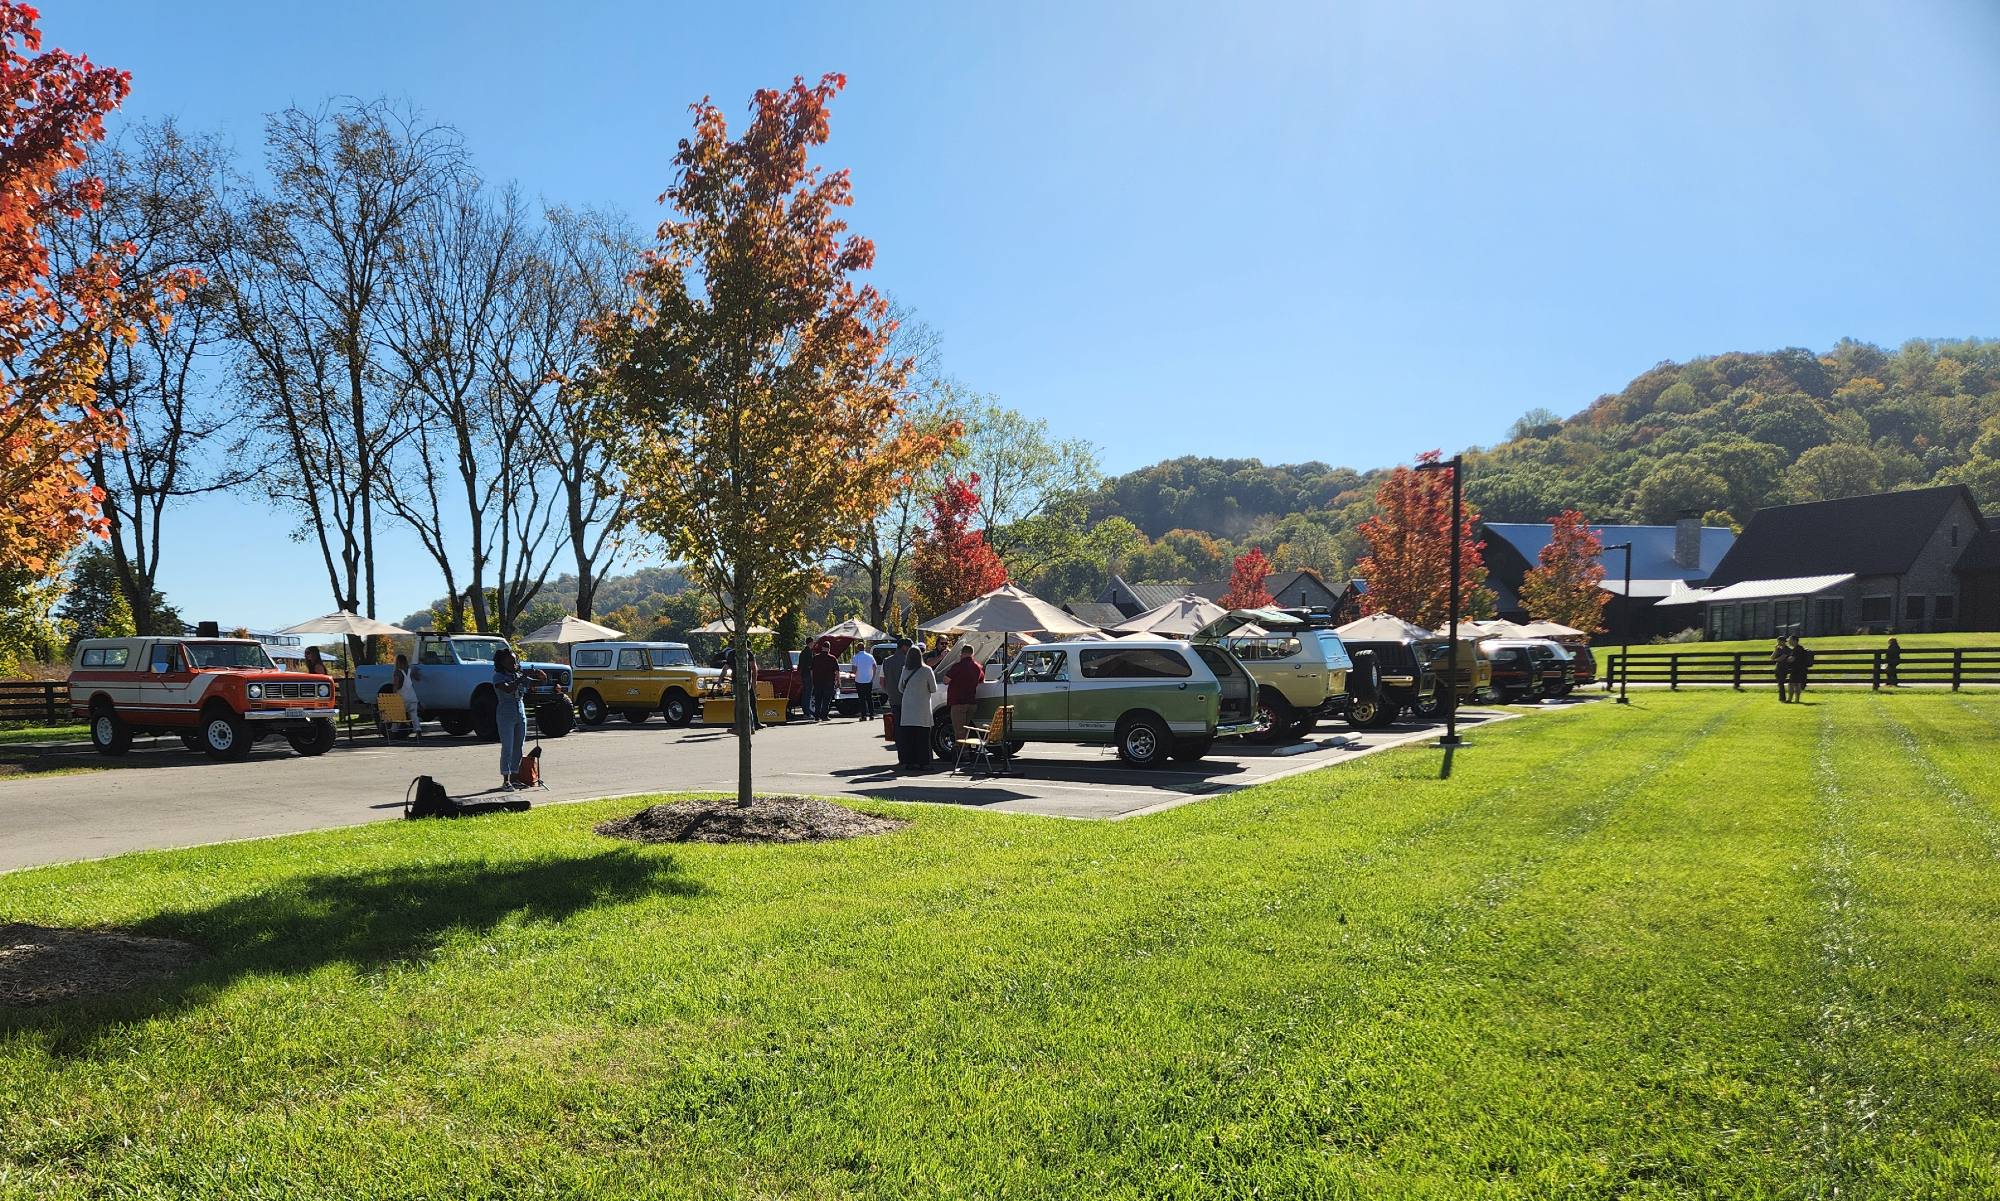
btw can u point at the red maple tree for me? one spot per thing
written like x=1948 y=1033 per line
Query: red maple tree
x=54 y=329
x=1408 y=567
x=1566 y=587
x=1246 y=581
x=952 y=562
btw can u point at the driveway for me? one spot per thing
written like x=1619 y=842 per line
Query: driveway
x=164 y=796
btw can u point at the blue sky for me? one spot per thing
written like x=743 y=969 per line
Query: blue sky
x=1335 y=232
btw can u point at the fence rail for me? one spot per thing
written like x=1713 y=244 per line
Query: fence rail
x=35 y=700
x=1870 y=668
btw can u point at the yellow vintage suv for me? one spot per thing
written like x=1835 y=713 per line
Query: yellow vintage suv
x=637 y=679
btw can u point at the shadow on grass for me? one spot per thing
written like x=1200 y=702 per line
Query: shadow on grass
x=367 y=919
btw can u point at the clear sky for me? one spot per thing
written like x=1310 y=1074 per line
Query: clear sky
x=1345 y=232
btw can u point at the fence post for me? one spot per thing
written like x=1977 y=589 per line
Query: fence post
x=1957 y=668
x=1673 y=673
x=1875 y=674
x=1737 y=680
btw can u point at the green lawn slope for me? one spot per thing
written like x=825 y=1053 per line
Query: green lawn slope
x=1703 y=945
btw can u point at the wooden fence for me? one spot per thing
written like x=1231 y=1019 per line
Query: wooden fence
x=1870 y=668
x=45 y=701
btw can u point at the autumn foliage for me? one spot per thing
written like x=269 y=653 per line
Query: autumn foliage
x=53 y=329
x=952 y=563
x=1565 y=588
x=1246 y=581
x=1408 y=567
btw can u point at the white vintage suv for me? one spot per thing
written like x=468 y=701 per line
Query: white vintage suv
x=219 y=694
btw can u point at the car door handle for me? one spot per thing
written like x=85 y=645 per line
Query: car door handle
x=1182 y=687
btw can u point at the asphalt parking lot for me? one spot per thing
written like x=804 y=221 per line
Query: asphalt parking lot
x=163 y=796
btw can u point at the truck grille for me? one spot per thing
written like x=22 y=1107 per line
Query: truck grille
x=275 y=691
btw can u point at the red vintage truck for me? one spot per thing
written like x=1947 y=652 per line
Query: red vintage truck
x=219 y=694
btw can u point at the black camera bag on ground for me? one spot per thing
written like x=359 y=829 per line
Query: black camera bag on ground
x=431 y=800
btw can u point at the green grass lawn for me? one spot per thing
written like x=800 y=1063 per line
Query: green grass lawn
x=1762 y=646
x=1704 y=945
x=10 y=734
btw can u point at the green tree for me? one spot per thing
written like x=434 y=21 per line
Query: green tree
x=1833 y=471
x=1677 y=484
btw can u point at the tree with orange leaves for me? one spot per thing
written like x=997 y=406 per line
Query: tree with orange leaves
x=1246 y=581
x=757 y=395
x=54 y=326
x=952 y=563
x=1566 y=587
x=1408 y=567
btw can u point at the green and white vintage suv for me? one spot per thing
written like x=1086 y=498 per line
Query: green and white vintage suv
x=1150 y=698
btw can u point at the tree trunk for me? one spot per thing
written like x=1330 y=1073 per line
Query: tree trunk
x=746 y=700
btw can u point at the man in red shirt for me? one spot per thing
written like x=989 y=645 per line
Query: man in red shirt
x=962 y=680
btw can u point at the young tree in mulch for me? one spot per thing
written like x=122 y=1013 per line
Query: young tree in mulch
x=1408 y=567
x=1246 y=581
x=953 y=563
x=1566 y=587
x=752 y=380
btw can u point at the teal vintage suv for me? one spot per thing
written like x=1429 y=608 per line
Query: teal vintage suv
x=1153 y=699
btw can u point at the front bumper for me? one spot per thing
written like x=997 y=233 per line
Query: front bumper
x=291 y=714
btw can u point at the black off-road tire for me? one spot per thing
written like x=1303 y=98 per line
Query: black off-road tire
x=1428 y=707
x=108 y=731
x=457 y=727
x=1371 y=713
x=638 y=717
x=590 y=709
x=225 y=735
x=677 y=707
x=1144 y=741
x=1303 y=725
x=485 y=716
x=1275 y=716
x=1191 y=750
x=944 y=739
x=316 y=739
x=192 y=742
x=555 y=719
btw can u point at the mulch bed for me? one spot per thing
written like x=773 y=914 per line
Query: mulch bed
x=41 y=964
x=768 y=819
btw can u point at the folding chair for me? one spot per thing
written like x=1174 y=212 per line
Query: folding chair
x=979 y=741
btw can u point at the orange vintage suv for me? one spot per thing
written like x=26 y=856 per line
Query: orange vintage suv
x=219 y=694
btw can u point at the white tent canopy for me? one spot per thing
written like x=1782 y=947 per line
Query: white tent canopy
x=1550 y=629
x=1381 y=627
x=853 y=627
x=573 y=629
x=1178 y=618
x=1010 y=610
x=344 y=622
x=725 y=625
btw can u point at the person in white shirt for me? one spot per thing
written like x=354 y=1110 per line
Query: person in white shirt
x=405 y=684
x=864 y=681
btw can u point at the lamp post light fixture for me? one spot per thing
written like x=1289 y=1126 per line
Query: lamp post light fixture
x=1625 y=623
x=1456 y=464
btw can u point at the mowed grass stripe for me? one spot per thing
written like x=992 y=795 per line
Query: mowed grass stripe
x=1906 y=1065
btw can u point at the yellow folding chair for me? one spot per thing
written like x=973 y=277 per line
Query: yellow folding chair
x=979 y=741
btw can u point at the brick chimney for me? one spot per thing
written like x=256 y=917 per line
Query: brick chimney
x=1687 y=539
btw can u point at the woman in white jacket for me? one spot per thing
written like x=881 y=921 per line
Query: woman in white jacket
x=918 y=691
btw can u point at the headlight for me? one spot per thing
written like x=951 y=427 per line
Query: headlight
x=256 y=691
x=326 y=690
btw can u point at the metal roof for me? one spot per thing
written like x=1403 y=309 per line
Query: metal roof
x=1652 y=549
x=1801 y=585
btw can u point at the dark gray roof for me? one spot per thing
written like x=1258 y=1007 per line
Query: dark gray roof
x=1982 y=553
x=1285 y=587
x=1103 y=616
x=1880 y=534
x=1134 y=599
x=1519 y=547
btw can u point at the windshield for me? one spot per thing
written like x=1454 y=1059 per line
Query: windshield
x=477 y=650
x=672 y=656
x=206 y=656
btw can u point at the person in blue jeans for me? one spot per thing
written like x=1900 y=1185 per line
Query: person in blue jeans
x=510 y=716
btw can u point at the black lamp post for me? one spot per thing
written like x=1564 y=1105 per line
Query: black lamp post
x=1457 y=466
x=1625 y=623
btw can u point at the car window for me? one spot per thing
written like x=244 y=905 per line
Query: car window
x=166 y=657
x=1334 y=649
x=1134 y=663
x=105 y=656
x=1259 y=650
x=671 y=656
x=1219 y=661
x=593 y=658
x=207 y=655
x=477 y=650
x=437 y=654
x=632 y=658
x=1040 y=667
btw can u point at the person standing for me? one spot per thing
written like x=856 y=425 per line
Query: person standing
x=404 y=684
x=316 y=663
x=892 y=676
x=1799 y=663
x=1893 y=659
x=962 y=680
x=864 y=680
x=510 y=715
x=918 y=694
x=825 y=680
x=1781 y=667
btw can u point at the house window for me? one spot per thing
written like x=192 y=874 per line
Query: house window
x=1757 y=620
x=1826 y=617
x=1913 y=608
x=1876 y=608
x=1944 y=608
x=1715 y=623
x=1788 y=617
x=1729 y=622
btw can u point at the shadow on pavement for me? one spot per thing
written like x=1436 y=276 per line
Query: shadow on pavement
x=366 y=919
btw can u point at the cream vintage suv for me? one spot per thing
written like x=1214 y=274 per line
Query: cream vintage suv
x=636 y=679
x=1302 y=668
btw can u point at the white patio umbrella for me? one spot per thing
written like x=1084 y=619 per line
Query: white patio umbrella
x=854 y=628
x=344 y=622
x=1550 y=629
x=1178 y=618
x=1381 y=627
x=725 y=625
x=1008 y=610
x=573 y=629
